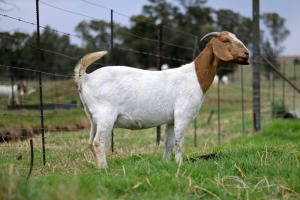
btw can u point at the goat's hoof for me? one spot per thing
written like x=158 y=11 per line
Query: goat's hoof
x=178 y=160
x=96 y=144
x=101 y=166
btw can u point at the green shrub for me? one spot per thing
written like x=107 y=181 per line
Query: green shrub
x=278 y=109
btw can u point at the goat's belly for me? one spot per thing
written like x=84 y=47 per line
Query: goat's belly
x=136 y=123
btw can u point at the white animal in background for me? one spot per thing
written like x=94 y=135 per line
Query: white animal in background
x=130 y=98
x=216 y=80
x=14 y=92
x=164 y=67
x=225 y=79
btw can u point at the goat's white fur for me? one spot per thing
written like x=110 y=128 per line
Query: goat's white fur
x=124 y=97
x=13 y=92
x=135 y=99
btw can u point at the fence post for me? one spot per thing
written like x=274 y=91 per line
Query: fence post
x=283 y=83
x=195 y=53
x=32 y=158
x=159 y=47
x=42 y=116
x=12 y=101
x=38 y=44
x=111 y=63
x=256 y=67
x=219 y=113
x=273 y=94
x=295 y=82
x=243 y=106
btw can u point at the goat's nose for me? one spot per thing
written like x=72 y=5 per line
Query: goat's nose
x=247 y=53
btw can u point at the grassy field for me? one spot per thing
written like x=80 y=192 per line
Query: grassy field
x=251 y=166
x=264 y=165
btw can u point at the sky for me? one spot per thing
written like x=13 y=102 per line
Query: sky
x=66 y=21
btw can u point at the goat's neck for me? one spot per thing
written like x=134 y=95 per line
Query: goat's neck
x=206 y=66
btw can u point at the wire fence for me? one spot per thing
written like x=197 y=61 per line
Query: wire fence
x=50 y=111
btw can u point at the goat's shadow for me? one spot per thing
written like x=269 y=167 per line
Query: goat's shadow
x=205 y=157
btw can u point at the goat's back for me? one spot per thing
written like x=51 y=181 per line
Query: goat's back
x=6 y=90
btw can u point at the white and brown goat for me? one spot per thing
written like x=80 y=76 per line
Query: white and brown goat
x=130 y=98
x=13 y=92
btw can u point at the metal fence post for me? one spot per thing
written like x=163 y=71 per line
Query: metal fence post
x=256 y=67
x=159 y=47
x=243 y=106
x=111 y=63
x=42 y=116
x=12 y=101
x=195 y=53
x=273 y=94
x=38 y=44
x=219 y=113
x=295 y=82
x=283 y=83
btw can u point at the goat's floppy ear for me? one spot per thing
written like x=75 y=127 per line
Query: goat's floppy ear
x=221 y=51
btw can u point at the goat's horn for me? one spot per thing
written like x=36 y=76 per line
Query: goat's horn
x=209 y=35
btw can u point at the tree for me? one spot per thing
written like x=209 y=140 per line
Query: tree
x=180 y=26
x=141 y=39
x=11 y=50
x=270 y=54
x=19 y=51
x=276 y=27
x=296 y=61
x=96 y=35
x=54 y=56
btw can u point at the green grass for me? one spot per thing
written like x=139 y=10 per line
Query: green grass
x=264 y=165
x=32 y=118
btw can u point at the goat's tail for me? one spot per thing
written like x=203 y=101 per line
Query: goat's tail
x=84 y=62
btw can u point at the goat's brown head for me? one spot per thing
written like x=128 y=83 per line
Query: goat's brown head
x=228 y=48
x=22 y=87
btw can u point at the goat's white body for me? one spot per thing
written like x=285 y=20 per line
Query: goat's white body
x=138 y=99
x=9 y=92
x=125 y=97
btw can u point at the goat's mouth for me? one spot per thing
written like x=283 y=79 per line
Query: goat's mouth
x=243 y=60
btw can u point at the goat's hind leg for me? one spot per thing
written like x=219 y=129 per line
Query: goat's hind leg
x=99 y=144
x=105 y=123
x=92 y=130
x=92 y=137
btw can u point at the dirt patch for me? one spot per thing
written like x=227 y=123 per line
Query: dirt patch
x=25 y=133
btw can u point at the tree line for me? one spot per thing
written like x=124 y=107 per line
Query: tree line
x=192 y=17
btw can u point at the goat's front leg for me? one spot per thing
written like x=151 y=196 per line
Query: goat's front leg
x=179 y=129
x=169 y=141
x=17 y=100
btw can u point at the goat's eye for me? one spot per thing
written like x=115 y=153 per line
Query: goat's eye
x=226 y=40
